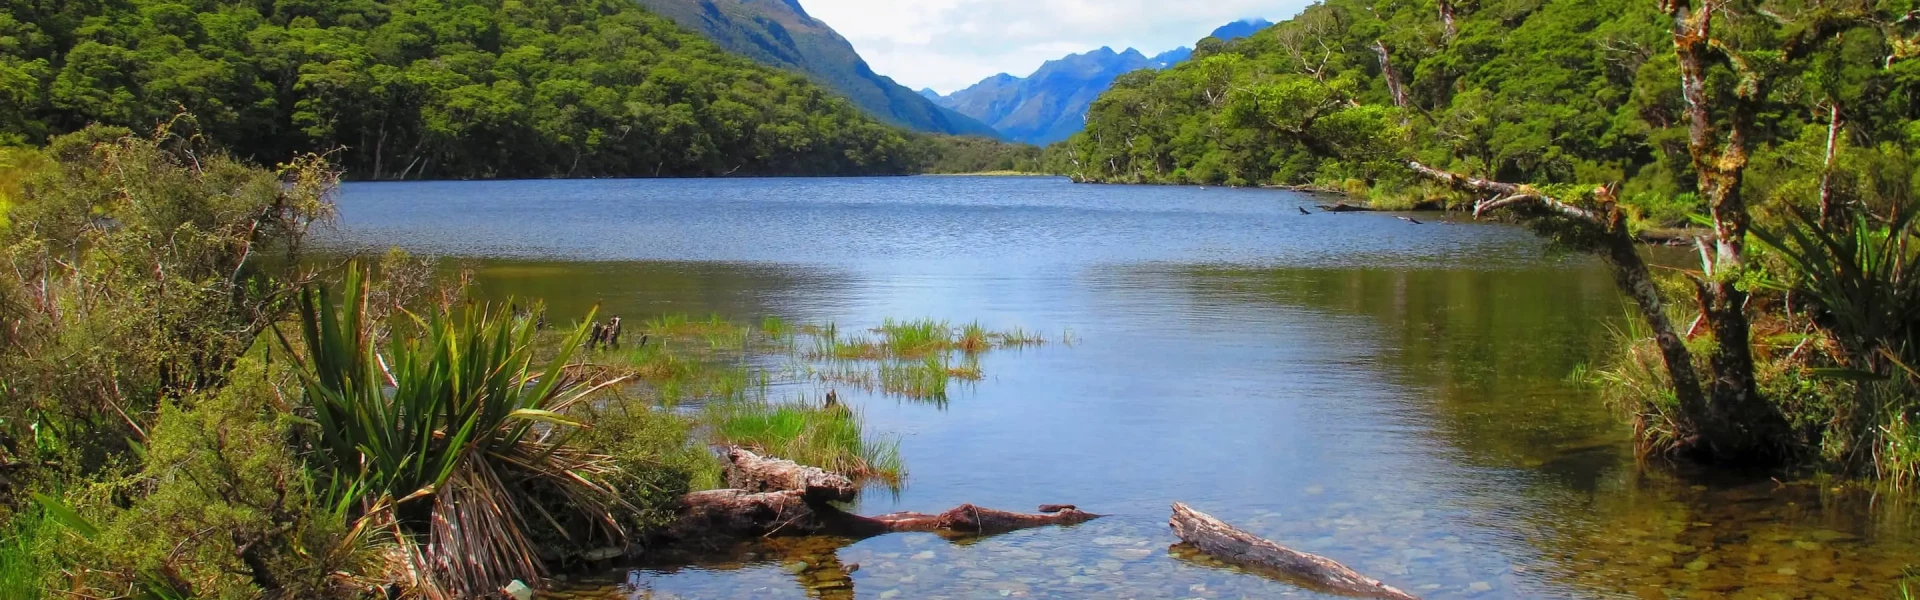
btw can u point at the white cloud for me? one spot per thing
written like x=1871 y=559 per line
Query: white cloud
x=951 y=44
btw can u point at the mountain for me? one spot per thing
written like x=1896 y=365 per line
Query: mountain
x=1051 y=104
x=1241 y=29
x=1047 y=106
x=781 y=34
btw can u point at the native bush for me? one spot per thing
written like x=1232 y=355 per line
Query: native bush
x=222 y=507
x=138 y=269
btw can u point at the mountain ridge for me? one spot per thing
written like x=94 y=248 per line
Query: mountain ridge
x=1050 y=105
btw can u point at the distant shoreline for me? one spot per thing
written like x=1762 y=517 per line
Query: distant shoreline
x=991 y=174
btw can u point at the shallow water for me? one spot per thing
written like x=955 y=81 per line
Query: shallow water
x=1392 y=396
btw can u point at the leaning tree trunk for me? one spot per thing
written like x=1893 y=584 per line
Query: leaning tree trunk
x=1230 y=544
x=1606 y=234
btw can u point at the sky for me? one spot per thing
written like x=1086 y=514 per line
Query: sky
x=951 y=44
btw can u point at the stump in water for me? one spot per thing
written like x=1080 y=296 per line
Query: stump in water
x=1227 y=543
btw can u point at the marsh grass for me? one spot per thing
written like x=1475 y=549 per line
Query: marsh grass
x=719 y=366
x=924 y=379
x=915 y=339
x=974 y=339
x=907 y=339
x=678 y=324
x=827 y=437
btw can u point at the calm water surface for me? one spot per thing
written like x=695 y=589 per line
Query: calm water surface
x=1392 y=396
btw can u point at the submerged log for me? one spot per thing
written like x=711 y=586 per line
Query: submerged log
x=1344 y=207
x=968 y=519
x=755 y=473
x=1227 y=543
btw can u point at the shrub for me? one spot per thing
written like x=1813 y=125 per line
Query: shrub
x=221 y=508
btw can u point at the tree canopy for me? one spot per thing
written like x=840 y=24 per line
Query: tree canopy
x=1555 y=91
x=431 y=88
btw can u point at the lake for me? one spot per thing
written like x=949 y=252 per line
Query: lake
x=1397 y=397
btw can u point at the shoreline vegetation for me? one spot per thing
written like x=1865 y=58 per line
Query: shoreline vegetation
x=1008 y=173
x=362 y=429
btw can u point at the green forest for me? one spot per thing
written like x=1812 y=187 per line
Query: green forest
x=429 y=89
x=1514 y=90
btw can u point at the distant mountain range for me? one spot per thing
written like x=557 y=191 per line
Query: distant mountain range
x=779 y=33
x=1051 y=104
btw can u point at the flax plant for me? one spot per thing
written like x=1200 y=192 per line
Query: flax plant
x=441 y=436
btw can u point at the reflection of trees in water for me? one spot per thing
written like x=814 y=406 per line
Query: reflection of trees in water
x=1496 y=348
x=638 y=290
x=1653 y=529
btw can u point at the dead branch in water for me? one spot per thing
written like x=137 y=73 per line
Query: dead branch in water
x=1227 y=543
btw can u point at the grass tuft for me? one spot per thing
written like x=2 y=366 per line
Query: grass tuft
x=829 y=437
x=24 y=565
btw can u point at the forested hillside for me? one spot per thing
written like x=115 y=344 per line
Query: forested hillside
x=433 y=89
x=1518 y=90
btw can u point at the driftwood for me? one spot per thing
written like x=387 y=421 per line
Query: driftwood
x=1223 y=541
x=783 y=498
x=755 y=473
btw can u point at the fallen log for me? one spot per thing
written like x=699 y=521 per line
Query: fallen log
x=776 y=497
x=728 y=515
x=1227 y=543
x=731 y=515
x=755 y=473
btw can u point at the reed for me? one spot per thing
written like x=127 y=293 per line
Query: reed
x=924 y=379
x=974 y=339
x=1019 y=337
x=920 y=337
